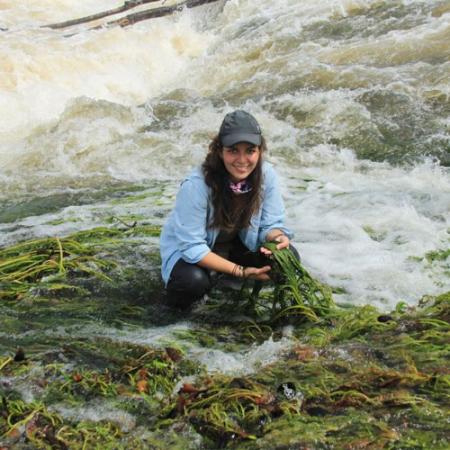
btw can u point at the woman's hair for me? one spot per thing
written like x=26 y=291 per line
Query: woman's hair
x=229 y=212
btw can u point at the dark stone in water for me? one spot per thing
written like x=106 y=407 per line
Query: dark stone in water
x=20 y=355
x=385 y=318
x=240 y=383
x=317 y=411
x=174 y=354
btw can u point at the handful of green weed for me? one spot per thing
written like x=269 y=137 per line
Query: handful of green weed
x=296 y=291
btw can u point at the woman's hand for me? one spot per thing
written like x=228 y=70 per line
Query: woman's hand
x=257 y=273
x=282 y=242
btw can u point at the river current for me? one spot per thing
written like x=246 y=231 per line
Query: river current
x=353 y=97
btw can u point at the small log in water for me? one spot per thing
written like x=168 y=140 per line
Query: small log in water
x=156 y=12
x=131 y=18
x=110 y=12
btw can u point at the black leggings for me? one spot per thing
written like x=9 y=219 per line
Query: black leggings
x=189 y=282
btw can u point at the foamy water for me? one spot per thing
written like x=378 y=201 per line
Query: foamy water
x=240 y=362
x=353 y=98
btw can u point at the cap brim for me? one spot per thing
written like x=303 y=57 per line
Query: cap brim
x=231 y=139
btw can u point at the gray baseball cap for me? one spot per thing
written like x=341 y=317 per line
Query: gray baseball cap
x=239 y=126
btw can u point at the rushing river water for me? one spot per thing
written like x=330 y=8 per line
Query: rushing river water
x=352 y=95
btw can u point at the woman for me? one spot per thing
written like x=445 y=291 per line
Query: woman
x=224 y=211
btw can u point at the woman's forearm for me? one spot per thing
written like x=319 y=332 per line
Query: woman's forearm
x=213 y=261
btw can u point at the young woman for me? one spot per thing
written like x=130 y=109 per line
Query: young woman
x=224 y=212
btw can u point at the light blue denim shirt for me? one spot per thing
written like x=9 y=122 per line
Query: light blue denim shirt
x=186 y=234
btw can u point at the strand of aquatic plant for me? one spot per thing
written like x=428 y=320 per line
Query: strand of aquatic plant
x=296 y=291
x=5 y=362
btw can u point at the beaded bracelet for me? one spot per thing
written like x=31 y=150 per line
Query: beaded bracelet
x=236 y=269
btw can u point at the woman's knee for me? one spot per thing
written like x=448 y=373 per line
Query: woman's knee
x=190 y=279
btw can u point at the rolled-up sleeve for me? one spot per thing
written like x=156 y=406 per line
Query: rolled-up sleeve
x=273 y=212
x=190 y=217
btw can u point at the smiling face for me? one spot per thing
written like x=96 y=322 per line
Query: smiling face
x=240 y=160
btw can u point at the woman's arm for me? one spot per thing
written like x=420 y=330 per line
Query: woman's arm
x=272 y=227
x=189 y=221
x=272 y=209
x=213 y=261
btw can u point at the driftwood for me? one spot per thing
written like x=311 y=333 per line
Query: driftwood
x=153 y=13
x=131 y=19
x=110 y=12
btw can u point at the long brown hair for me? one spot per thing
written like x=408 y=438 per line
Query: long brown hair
x=229 y=210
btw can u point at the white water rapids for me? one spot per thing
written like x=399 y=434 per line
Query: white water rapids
x=352 y=95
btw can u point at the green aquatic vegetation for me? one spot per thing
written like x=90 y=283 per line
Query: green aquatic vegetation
x=33 y=420
x=294 y=295
x=129 y=221
x=98 y=237
x=144 y=230
x=438 y=307
x=63 y=220
x=131 y=227
x=353 y=377
x=437 y=255
x=228 y=338
x=85 y=435
x=87 y=384
x=342 y=391
x=363 y=384
x=137 y=378
x=296 y=292
x=199 y=336
x=137 y=197
x=5 y=361
x=356 y=431
x=228 y=408
x=351 y=323
x=377 y=236
x=53 y=265
x=47 y=262
x=369 y=373
x=33 y=425
x=149 y=372
x=423 y=332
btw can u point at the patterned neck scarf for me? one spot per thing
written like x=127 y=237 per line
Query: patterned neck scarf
x=241 y=187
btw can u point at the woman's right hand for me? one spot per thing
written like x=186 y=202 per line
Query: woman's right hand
x=256 y=273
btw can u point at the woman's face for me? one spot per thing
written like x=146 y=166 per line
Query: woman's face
x=240 y=160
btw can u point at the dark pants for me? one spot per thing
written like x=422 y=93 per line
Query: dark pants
x=189 y=282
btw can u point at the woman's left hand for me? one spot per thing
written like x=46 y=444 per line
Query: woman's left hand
x=282 y=242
